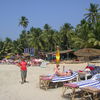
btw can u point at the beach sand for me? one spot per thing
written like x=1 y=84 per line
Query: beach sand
x=12 y=89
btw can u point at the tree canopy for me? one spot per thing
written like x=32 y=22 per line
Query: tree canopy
x=85 y=34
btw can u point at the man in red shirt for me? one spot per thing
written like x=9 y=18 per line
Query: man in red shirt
x=23 y=68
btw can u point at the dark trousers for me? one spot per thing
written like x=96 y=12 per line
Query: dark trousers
x=23 y=75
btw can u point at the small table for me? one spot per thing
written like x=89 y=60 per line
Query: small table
x=84 y=74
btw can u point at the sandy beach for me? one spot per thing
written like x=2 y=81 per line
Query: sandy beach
x=12 y=89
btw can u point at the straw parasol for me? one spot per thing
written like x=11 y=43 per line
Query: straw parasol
x=87 y=52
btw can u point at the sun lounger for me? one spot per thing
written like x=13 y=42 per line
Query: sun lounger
x=76 y=85
x=94 y=90
x=45 y=80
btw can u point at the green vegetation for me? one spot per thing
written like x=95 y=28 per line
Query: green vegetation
x=86 y=34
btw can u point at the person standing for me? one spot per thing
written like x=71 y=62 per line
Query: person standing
x=23 y=67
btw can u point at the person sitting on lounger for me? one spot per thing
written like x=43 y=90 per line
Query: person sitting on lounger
x=56 y=68
x=67 y=73
x=59 y=73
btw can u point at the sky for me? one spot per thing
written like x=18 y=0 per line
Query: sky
x=40 y=12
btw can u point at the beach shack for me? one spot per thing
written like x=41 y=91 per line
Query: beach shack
x=64 y=55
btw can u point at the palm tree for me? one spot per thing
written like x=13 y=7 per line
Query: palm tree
x=85 y=36
x=7 y=46
x=94 y=37
x=51 y=38
x=47 y=27
x=1 y=48
x=34 y=38
x=94 y=15
x=18 y=47
x=23 y=22
x=80 y=38
x=24 y=39
x=65 y=32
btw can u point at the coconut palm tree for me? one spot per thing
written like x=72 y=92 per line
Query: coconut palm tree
x=23 y=40
x=65 y=32
x=94 y=15
x=94 y=37
x=87 y=32
x=34 y=38
x=80 y=38
x=23 y=22
x=7 y=46
x=17 y=47
x=1 y=48
x=51 y=37
x=47 y=27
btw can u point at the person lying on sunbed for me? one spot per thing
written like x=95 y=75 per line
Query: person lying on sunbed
x=59 y=73
x=67 y=73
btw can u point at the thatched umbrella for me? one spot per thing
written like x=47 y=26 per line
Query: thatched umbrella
x=87 y=52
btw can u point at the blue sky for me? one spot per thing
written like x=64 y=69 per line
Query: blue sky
x=40 y=12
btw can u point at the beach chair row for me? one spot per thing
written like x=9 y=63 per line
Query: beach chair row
x=87 y=88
